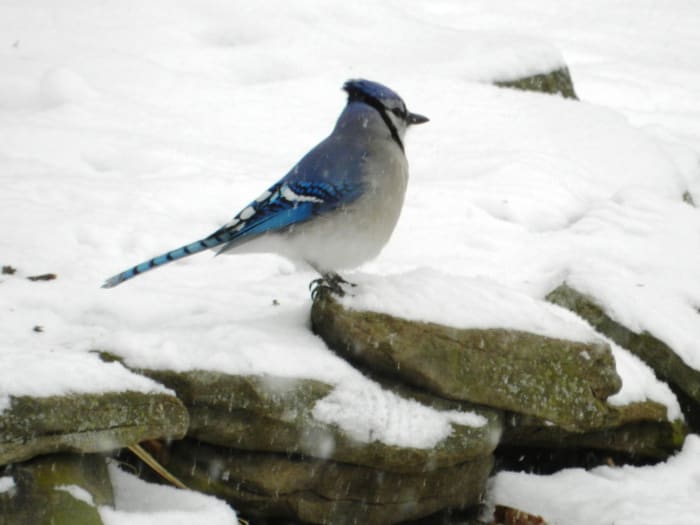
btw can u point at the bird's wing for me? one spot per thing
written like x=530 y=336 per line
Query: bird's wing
x=327 y=177
x=286 y=203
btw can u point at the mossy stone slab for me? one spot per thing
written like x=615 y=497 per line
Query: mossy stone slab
x=317 y=491
x=557 y=82
x=87 y=423
x=657 y=354
x=46 y=488
x=273 y=414
x=638 y=430
x=565 y=382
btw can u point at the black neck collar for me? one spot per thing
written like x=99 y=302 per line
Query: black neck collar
x=373 y=102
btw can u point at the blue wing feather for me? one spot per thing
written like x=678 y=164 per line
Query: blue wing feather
x=278 y=217
x=294 y=199
x=328 y=177
x=287 y=203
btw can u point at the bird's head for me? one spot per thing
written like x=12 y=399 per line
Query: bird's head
x=387 y=102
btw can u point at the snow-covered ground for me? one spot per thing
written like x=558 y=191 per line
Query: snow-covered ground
x=128 y=128
x=665 y=493
x=139 y=503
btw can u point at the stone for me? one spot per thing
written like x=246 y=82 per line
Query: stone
x=87 y=423
x=557 y=82
x=639 y=430
x=273 y=414
x=564 y=382
x=58 y=489
x=688 y=199
x=318 y=491
x=667 y=365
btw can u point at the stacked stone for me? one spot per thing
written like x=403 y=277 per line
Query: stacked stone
x=59 y=441
x=253 y=440
x=552 y=392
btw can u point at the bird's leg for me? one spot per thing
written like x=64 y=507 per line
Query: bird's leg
x=337 y=280
x=332 y=282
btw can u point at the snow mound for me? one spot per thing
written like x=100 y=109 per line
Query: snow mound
x=431 y=296
x=370 y=413
x=665 y=493
x=639 y=384
x=42 y=373
x=139 y=503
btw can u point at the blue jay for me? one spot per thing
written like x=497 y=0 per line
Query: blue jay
x=338 y=205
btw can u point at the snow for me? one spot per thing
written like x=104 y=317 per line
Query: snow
x=639 y=223
x=428 y=295
x=77 y=492
x=7 y=483
x=139 y=503
x=130 y=128
x=639 y=384
x=372 y=414
x=48 y=371
x=664 y=493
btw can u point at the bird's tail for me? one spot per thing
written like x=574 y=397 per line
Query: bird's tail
x=173 y=255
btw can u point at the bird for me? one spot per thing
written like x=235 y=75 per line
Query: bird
x=337 y=207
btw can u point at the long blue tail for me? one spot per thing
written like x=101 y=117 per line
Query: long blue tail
x=173 y=255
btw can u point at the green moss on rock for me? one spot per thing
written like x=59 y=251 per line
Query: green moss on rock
x=44 y=486
x=557 y=82
x=316 y=491
x=272 y=414
x=565 y=382
x=637 y=430
x=87 y=423
x=688 y=198
x=657 y=354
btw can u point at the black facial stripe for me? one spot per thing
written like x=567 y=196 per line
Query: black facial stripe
x=371 y=101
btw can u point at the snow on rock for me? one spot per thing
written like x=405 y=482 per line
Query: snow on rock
x=370 y=414
x=47 y=372
x=640 y=384
x=664 y=493
x=238 y=341
x=641 y=267
x=7 y=483
x=77 y=492
x=275 y=35
x=139 y=503
x=428 y=295
x=243 y=344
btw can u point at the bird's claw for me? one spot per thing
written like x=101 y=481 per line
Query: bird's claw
x=331 y=282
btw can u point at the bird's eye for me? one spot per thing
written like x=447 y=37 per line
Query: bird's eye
x=399 y=113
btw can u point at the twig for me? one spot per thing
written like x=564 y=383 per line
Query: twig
x=149 y=460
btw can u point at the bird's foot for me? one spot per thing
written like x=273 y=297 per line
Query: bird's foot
x=331 y=282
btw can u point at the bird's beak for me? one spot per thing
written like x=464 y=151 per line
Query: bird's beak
x=415 y=118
